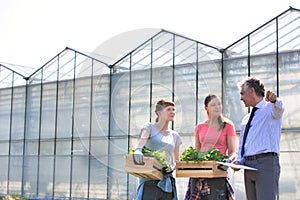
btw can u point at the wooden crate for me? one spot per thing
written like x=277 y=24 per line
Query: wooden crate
x=151 y=168
x=202 y=169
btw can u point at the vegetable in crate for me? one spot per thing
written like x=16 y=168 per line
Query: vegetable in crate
x=191 y=154
x=160 y=156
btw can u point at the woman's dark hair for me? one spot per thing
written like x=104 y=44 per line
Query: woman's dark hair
x=221 y=119
x=161 y=104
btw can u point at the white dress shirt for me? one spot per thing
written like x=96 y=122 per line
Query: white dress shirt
x=265 y=131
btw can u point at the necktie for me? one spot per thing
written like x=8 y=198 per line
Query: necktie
x=247 y=129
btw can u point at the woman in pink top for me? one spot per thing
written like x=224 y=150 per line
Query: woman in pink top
x=217 y=132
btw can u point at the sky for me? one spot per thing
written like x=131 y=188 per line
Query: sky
x=34 y=31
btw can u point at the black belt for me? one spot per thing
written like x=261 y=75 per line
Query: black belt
x=262 y=155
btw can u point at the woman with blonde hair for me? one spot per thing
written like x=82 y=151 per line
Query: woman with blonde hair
x=159 y=136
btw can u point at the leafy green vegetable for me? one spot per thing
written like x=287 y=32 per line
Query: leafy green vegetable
x=160 y=156
x=191 y=154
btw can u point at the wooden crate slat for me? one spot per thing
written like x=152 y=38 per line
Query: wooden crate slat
x=151 y=168
x=202 y=169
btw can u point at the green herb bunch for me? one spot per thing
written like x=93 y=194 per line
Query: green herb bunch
x=13 y=197
x=191 y=154
x=160 y=156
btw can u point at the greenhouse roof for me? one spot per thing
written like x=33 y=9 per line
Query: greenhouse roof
x=282 y=33
x=155 y=47
x=12 y=74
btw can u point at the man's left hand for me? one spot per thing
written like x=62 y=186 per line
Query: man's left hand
x=271 y=96
x=223 y=167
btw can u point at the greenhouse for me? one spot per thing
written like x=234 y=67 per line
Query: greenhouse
x=66 y=127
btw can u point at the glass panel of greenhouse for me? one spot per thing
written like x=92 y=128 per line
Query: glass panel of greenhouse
x=67 y=126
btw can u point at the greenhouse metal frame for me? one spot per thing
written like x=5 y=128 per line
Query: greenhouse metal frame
x=67 y=126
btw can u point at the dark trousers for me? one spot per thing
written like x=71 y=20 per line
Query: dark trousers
x=152 y=192
x=263 y=183
x=218 y=189
x=207 y=189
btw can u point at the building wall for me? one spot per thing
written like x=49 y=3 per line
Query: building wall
x=68 y=138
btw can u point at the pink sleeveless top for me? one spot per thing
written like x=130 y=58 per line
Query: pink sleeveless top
x=212 y=137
